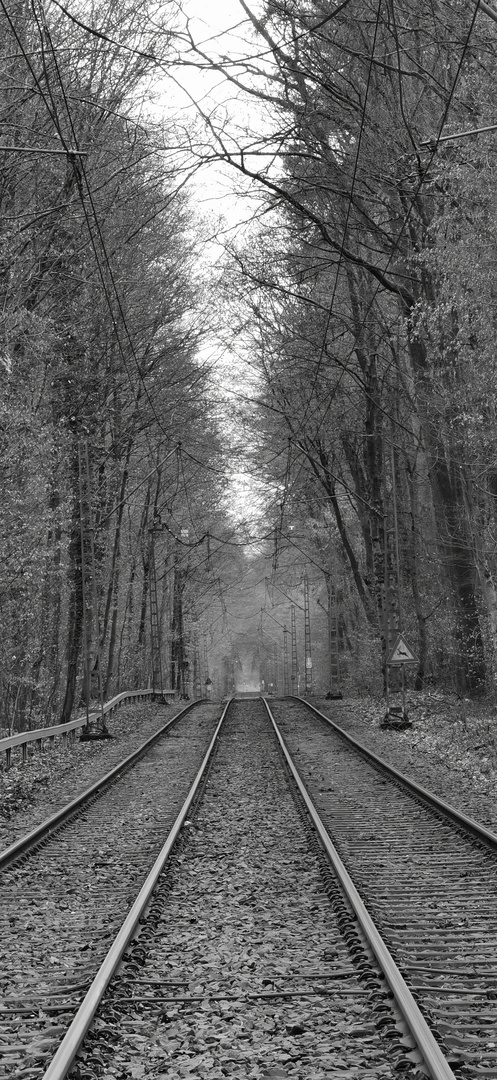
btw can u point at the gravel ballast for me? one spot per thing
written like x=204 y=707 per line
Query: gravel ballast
x=451 y=749
x=244 y=918
x=429 y=886
x=452 y=755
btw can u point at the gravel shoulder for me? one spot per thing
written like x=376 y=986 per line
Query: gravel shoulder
x=451 y=747
x=51 y=777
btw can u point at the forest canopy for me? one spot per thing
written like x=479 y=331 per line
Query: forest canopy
x=335 y=342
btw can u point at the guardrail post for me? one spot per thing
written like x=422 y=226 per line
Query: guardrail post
x=8 y=757
x=24 y=752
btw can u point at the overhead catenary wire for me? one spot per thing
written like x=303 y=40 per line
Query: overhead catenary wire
x=80 y=176
x=386 y=412
x=122 y=502
x=213 y=470
x=52 y=110
x=154 y=59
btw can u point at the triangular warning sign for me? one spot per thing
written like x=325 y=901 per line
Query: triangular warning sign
x=401 y=653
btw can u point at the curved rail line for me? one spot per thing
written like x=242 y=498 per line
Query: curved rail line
x=427 y=873
x=73 y=1039
x=433 y=1056
x=369 y=954
x=457 y=816
x=67 y=886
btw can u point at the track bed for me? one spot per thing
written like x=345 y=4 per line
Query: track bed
x=62 y=904
x=248 y=952
x=248 y=963
x=431 y=888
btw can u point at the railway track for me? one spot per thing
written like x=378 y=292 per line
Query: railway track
x=249 y=952
x=66 y=888
x=428 y=877
x=241 y=955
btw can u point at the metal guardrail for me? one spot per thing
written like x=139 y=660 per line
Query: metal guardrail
x=69 y=729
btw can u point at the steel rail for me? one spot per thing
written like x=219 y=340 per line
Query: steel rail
x=71 y=1043
x=42 y=831
x=434 y=1059
x=469 y=824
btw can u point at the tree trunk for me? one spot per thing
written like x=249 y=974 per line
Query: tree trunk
x=322 y=471
x=75 y=614
x=457 y=555
x=412 y=555
x=452 y=531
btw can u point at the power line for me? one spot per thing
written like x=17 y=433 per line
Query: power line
x=122 y=502
x=80 y=177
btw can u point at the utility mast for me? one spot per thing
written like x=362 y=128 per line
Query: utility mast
x=197 y=673
x=276 y=666
x=295 y=666
x=392 y=613
x=397 y=652
x=334 y=657
x=155 y=630
x=286 y=687
x=307 y=638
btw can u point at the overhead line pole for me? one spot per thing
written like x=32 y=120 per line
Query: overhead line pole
x=307 y=638
x=295 y=666
x=286 y=688
x=89 y=594
x=491 y=12
x=91 y=528
x=86 y=643
x=430 y=144
x=155 y=627
x=42 y=150
x=333 y=643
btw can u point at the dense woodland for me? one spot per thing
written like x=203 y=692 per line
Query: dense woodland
x=336 y=347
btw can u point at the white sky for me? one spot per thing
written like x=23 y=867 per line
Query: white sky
x=214 y=187
x=221 y=28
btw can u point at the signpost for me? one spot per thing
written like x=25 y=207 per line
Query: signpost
x=400 y=656
x=400 y=653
